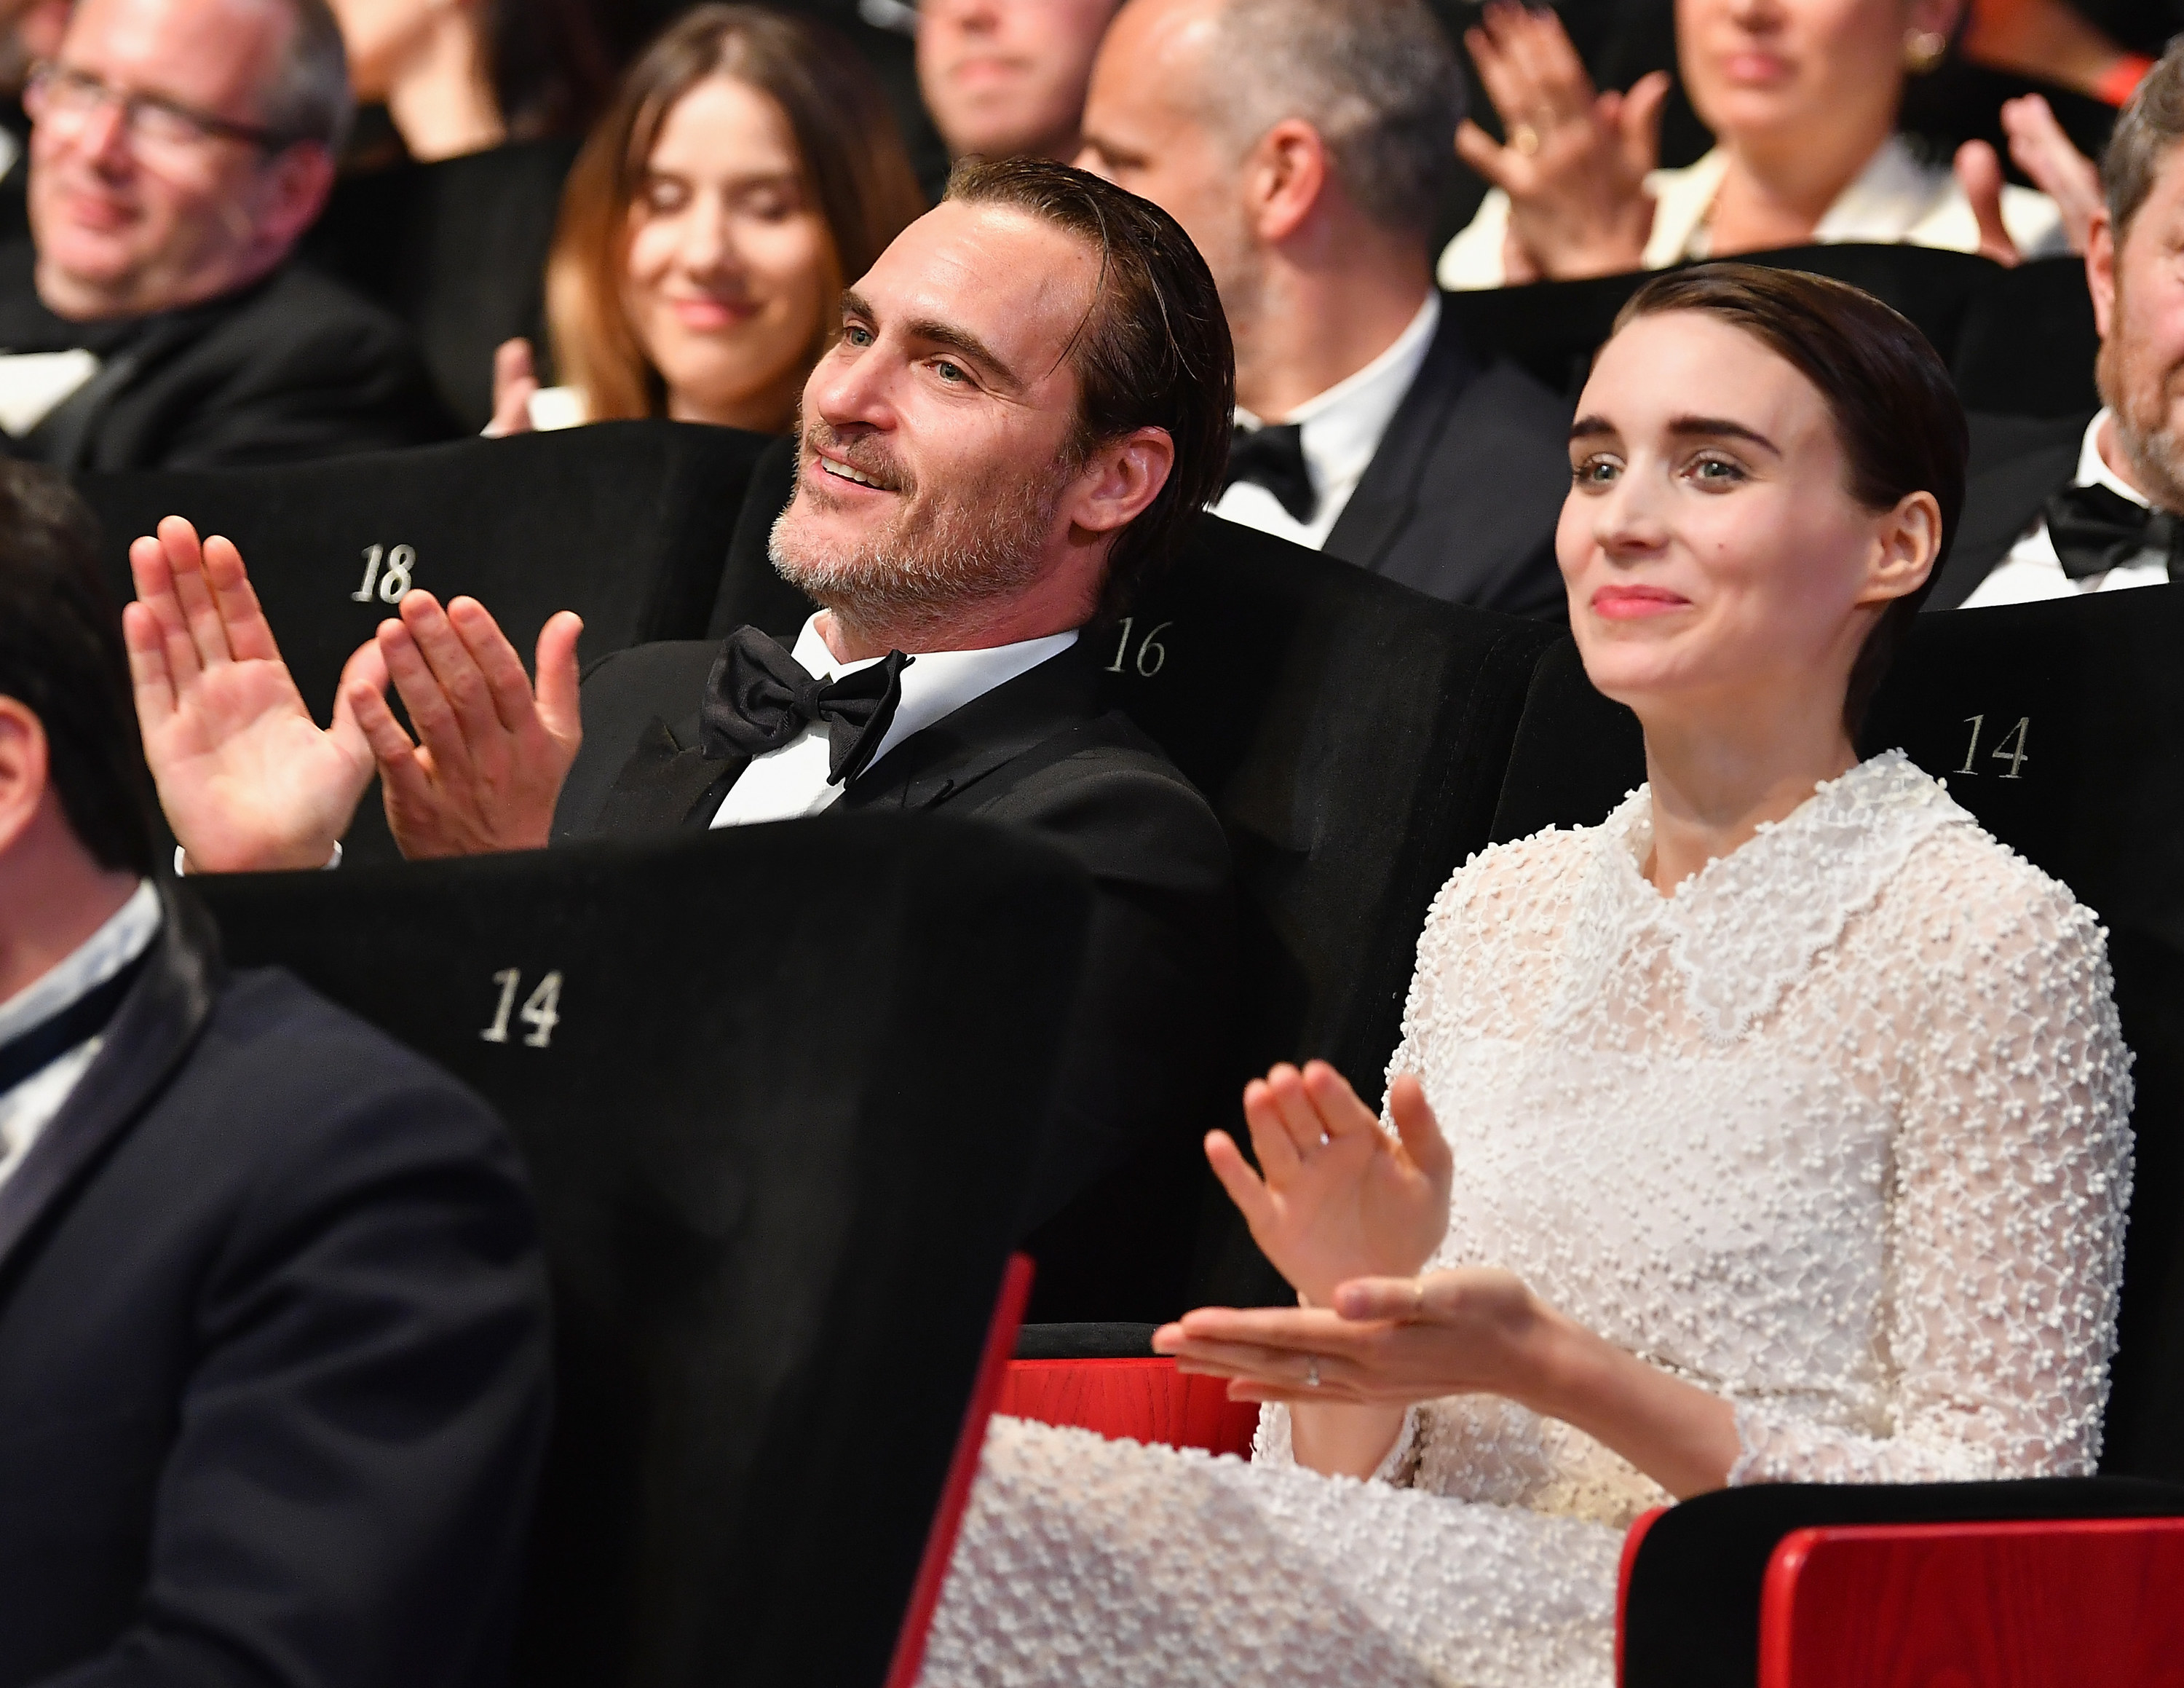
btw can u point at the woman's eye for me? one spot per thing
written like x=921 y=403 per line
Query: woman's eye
x=662 y=197
x=1718 y=471
x=1595 y=472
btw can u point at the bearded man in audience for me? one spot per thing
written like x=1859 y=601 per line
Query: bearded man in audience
x=1305 y=145
x=1026 y=407
x=274 y=1354
x=1006 y=78
x=153 y=319
x=2096 y=504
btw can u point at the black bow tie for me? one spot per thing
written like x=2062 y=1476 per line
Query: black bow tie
x=758 y=698
x=1273 y=458
x=2096 y=530
x=31 y=1053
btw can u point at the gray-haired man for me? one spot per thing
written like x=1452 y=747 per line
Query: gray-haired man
x=179 y=150
x=1306 y=145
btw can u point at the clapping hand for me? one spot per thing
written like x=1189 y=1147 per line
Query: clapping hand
x=248 y=780
x=1336 y=1197
x=514 y=385
x=1576 y=162
x=493 y=753
x=2044 y=153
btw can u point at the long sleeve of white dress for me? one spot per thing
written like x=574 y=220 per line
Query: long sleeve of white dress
x=1837 y=1131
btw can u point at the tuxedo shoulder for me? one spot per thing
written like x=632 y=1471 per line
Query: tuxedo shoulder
x=1110 y=797
x=671 y=671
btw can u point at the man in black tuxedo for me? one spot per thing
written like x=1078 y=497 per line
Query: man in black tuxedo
x=1029 y=402
x=1306 y=145
x=2096 y=504
x=153 y=317
x=274 y=1365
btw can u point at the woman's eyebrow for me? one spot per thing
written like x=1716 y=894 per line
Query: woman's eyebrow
x=1591 y=428
x=1721 y=428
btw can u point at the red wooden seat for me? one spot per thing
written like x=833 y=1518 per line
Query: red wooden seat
x=1145 y=1400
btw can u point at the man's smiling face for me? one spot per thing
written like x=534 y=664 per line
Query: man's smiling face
x=939 y=433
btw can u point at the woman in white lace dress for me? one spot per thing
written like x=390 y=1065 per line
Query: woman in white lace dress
x=1775 y=1130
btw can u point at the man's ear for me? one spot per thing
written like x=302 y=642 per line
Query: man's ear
x=1120 y=481
x=299 y=179
x=2101 y=270
x=1284 y=177
x=23 y=770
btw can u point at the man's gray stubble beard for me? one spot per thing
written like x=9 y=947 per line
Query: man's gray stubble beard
x=2154 y=453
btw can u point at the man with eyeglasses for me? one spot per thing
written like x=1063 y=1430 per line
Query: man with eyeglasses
x=153 y=319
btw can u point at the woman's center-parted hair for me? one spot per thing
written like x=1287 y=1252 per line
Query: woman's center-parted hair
x=849 y=150
x=1895 y=410
x=1152 y=351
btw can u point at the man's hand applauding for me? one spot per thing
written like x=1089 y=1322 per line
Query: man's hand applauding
x=247 y=779
x=493 y=754
x=250 y=782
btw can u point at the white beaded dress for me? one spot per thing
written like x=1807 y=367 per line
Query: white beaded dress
x=1838 y=1131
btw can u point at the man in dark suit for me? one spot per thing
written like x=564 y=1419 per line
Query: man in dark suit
x=154 y=318
x=1305 y=144
x=1029 y=402
x=2055 y=508
x=273 y=1321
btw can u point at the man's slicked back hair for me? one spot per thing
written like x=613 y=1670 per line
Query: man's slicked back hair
x=61 y=658
x=2147 y=130
x=1378 y=78
x=1153 y=350
x=307 y=97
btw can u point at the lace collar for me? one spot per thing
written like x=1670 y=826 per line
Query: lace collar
x=1748 y=926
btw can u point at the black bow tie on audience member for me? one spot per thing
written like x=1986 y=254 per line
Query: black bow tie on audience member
x=2096 y=528
x=759 y=697
x=1273 y=458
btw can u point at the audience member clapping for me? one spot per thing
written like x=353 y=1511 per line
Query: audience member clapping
x=1303 y=143
x=1027 y=404
x=1006 y=78
x=458 y=76
x=273 y=1320
x=2077 y=505
x=749 y=166
x=154 y=319
x=1802 y=97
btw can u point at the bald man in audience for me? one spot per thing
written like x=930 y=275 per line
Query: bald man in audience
x=2059 y=508
x=153 y=317
x=1306 y=145
x=1006 y=78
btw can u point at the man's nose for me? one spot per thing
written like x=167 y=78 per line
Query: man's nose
x=853 y=389
x=103 y=135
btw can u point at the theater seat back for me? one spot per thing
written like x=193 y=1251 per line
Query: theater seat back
x=776 y=1217
x=626 y=523
x=2050 y=722
x=2028 y=342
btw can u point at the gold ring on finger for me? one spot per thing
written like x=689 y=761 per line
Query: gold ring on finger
x=1524 y=138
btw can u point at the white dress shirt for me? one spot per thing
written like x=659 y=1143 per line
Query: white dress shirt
x=791 y=780
x=1897 y=199
x=1341 y=429
x=26 y=1110
x=33 y=385
x=2031 y=571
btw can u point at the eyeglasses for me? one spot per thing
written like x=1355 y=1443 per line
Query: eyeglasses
x=65 y=100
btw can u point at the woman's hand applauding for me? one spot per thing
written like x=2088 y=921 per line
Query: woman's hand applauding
x=1575 y=162
x=1335 y=1197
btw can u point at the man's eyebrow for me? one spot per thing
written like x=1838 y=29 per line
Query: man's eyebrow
x=963 y=342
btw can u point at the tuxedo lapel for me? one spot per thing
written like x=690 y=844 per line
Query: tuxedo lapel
x=2024 y=460
x=668 y=783
x=944 y=760
x=1387 y=496
x=152 y=1032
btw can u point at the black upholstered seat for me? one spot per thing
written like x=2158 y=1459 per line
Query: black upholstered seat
x=775 y=1218
x=457 y=249
x=2051 y=723
x=626 y=523
x=2028 y=342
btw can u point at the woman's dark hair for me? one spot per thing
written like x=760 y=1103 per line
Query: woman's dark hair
x=1897 y=415
x=1153 y=351
x=857 y=171
x=61 y=658
x=551 y=71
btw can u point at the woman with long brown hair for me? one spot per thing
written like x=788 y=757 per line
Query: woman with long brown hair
x=747 y=168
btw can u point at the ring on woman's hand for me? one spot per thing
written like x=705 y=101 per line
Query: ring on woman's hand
x=1524 y=138
x=1418 y=1298
x=1312 y=1374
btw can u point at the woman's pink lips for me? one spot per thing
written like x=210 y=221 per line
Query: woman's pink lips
x=701 y=314
x=1756 y=69
x=1636 y=603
